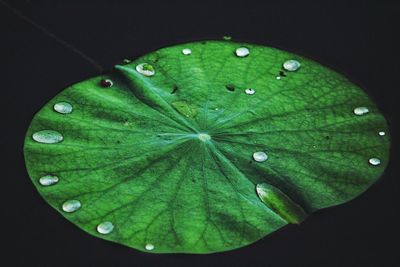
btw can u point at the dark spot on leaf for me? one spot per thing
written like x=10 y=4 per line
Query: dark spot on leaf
x=282 y=73
x=230 y=87
x=174 y=89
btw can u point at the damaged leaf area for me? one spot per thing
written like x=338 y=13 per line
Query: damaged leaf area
x=204 y=147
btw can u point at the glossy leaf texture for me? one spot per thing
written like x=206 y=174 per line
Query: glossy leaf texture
x=164 y=154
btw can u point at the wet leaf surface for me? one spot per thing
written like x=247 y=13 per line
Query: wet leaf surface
x=177 y=172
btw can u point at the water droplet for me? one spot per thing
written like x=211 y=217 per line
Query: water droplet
x=185 y=108
x=291 y=65
x=105 y=227
x=242 y=52
x=63 y=107
x=278 y=77
x=250 y=91
x=361 y=111
x=186 y=51
x=106 y=83
x=47 y=137
x=204 y=137
x=230 y=87
x=260 y=156
x=374 y=161
x=149 y=246
x=382 y=133
x=71 y=205
x=280 y=203
x=48 y=180
x=146 y=69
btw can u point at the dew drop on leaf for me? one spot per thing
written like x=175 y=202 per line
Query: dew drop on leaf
x=280 y=203
x=146 y=69
x=149 y=246
x=250 y=91
x=71 y=205
x=361 y=111
x=382 y=133
x=63 y=107
x=186 y=51
x=260 y=156
x=374 y=161
x=105 y=227
x=242 y=52
x=291 y=65
x=106 y=83
x=48 y=180
x=47 y=137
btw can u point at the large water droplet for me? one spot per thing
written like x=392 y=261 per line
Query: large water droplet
x=47 y=137
x=242 y=52
x=149 y=246
x=48 y=180
x=361 y=111
x=280 y=203
x=291 y=65
x=382 y=133
x=146 y=69
x=260 y=156
x=105 y=227
x=71 y=205
x=250 y=91
x=374 y=161
x=186 y=51
x=63 y=107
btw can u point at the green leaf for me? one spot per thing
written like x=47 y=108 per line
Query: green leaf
x=165 y=153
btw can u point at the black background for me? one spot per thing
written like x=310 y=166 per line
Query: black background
x=356 y=38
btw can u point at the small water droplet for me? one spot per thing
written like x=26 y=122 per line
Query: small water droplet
x=63 y=107
x=260 y=156
x=361 y=111
x=183 y=107
x=47 y=137
x=291 y=65
x=242 y=52
x=374 y=161
x=146 y=69
x=149 y=246
x=106 y=83
x=105 y=227
x=382 y=133
x=71 y=205
x=186 y=51
x=278 y=77
x=48 y=180
x=250 y=91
